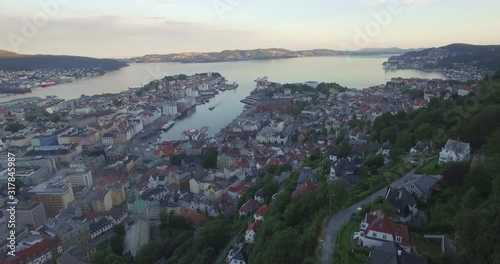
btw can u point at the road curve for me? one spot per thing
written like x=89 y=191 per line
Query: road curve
x=336 y=222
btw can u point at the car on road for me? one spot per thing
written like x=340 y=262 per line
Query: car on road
x=359 y=209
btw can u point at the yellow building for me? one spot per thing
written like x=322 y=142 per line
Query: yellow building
x=55 y=195
x=117 y=194
x=103 y=202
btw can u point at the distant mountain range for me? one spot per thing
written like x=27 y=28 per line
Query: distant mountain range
x=12 y=61
x=259 y=54
x=481 y=56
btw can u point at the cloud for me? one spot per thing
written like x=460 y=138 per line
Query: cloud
x=106 y=36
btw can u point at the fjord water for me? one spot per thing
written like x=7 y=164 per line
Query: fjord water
x=354 y=72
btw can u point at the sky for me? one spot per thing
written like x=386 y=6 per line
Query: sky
x=125 y=28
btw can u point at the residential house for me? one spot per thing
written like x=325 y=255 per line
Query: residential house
x=377 y=228
x=393 y=253
x=238 y=255
x=259 y=196
x=422 y=186
x=306 y=174
x=259 y=215
x=403 y=201
x=385 y=148
x=344 y=168
x=420 y=147
x=283 y=177
x=304 y=189
x=454 y=151
x=252 y=231
x=248 y=207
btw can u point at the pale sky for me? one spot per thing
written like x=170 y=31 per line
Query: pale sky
x=121 y=28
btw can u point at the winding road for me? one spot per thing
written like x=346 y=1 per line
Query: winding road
x=336 y=222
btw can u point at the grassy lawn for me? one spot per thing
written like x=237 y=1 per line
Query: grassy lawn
x=432 y=168
x=424 y=246
x=347 y=233
x=344 y=248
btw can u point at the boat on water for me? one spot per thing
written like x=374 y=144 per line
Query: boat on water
x=168 y=125
x=45 y=85
x=211 y=107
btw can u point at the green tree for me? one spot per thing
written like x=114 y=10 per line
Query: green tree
x=116 y=244
x=106 y=256
x=471 y=199
x=375 y=161
x=285 y=167
x=177 y=159
x=119 y=229
x=389 y=133
x=340 y=137
x=492 y=148
x=404 y=140
x=149 y=253
x=209 y=160
x=363 y=172
x=14 y=127
x=424 y=131
x=454 y=173
x=269 y=190
x=344 y=149
x=283 y=248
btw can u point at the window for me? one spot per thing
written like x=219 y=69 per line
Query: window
x=398 y=239
x=384 y=236
x=374 y=234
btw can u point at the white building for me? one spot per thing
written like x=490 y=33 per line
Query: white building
x=80 y=177
x=454 y=151
x=377 y=228
x=100 y=227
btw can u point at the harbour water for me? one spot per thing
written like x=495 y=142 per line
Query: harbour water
x=358 y=72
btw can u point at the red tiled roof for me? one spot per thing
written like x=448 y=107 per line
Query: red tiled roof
x=193 y=217
x=34 y=250
x=305 y=188
x=253 y=226
x=263 y=210
x=248 y=206
x=380 y=221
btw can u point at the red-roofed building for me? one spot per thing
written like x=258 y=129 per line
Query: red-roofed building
x=193 y=217
x=259 y=215
x=377 y=228
x=305 y=188
x=45 y=251
x=248 y=207
x=251 y=232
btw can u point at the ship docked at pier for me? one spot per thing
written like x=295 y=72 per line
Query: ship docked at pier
x=167 y=126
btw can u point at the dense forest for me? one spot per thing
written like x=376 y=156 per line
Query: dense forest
x=482 y=56
x=468 y=203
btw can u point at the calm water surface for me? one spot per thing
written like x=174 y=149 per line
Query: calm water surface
x=359 y=72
